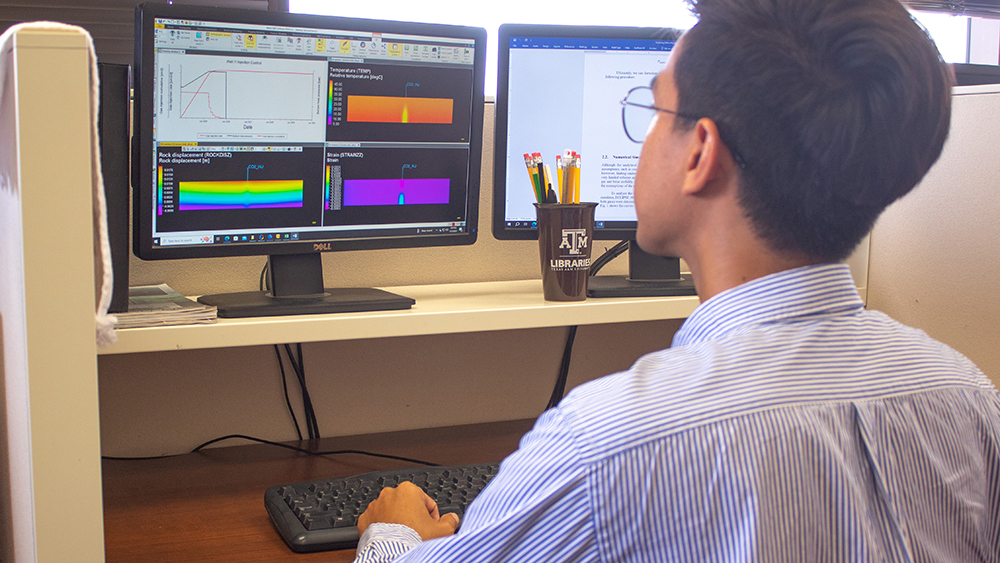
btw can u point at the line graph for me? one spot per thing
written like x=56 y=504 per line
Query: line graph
x=207 y=97
x=197 y=91
x=247 y=94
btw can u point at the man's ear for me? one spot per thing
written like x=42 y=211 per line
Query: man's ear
x=703 y=157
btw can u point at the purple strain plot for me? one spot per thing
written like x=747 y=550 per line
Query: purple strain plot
x=409 y=191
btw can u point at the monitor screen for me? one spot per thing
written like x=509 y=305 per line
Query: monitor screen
x=560 y=88
x=265 y=133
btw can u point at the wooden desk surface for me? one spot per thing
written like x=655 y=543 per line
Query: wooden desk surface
x=209 y=506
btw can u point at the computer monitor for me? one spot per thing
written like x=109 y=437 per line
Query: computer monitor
x=288 y=135
x=558 y=88
x=967 y=74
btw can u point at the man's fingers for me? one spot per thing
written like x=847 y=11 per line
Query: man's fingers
x=450 y=520
x=409 y=505
x=432 y=507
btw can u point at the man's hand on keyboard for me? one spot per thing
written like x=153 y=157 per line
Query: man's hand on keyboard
x=408 y=505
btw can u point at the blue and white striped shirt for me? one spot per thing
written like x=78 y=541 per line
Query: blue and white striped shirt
x=786 y=423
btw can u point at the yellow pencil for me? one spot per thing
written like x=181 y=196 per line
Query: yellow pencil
x=576 y=180
x=559 y=179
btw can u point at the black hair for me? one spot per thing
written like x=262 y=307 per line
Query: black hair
x=836 y=108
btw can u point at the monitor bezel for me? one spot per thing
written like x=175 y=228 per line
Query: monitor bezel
x=500 y=229
x=971 y=74
x=142 y=159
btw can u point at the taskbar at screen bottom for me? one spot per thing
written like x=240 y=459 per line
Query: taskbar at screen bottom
x=199 y=239
x=598 y=225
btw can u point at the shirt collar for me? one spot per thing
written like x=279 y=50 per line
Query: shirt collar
x=811 y=290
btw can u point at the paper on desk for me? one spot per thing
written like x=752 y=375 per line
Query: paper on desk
x=160 y=305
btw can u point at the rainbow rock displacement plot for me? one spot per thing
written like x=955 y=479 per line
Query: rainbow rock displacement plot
x=410 y=191
x=239 y=194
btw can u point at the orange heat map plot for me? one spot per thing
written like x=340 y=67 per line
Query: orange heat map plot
x=395 y=109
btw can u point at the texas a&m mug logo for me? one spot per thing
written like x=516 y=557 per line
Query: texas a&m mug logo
x=574 y=241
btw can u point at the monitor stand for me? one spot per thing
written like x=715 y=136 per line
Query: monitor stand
x=649 y=276
x=297 y=289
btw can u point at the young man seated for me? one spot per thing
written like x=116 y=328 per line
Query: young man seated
x=786 y=422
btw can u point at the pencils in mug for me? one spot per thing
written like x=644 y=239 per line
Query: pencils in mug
x=567 y=179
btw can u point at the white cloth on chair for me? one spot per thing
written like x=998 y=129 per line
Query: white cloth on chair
x=103 y=274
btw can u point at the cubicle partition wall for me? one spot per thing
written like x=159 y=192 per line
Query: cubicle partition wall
x=935 y=254
x=50 y=495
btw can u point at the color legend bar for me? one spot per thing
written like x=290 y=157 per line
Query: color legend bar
x=414 y=191
x=159 y=190
x=393 y=109
x=326 y=192
x=239 y=194
x=329 y=106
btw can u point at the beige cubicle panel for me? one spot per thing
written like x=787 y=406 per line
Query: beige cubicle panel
x=935 y=254
x=50 y=484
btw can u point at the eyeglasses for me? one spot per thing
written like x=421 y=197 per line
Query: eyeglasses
x=638 y=112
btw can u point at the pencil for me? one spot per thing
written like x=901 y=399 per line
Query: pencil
x=576 y=179
x=542 y=184
x=548 y=178
x=559 y=177
x=533 y=177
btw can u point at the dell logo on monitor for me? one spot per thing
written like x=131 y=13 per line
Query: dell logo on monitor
x=321 y=246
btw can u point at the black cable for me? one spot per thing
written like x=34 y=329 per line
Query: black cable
x=281 y=365
x=609 y=255
x=306 y=402
x=560 y=387
x=312 y=411
x=312 y=427
x=284 y=387
x=116 y=458
x=279 y=445
x=263 y=276
x=310 y=452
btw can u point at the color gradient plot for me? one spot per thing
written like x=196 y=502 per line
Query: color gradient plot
x=239 y=194
x=394 y=109
x=410 y=191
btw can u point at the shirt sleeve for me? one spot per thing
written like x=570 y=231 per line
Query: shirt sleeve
x=537 y=508
x=383 y=542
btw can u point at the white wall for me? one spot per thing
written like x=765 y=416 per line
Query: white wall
x=934 y=254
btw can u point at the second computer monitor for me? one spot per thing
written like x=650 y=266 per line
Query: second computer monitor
x=559 y=88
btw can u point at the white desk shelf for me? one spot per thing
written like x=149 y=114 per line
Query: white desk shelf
x=440 y=309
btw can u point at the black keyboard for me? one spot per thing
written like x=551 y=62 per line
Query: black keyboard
x=323 y=514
